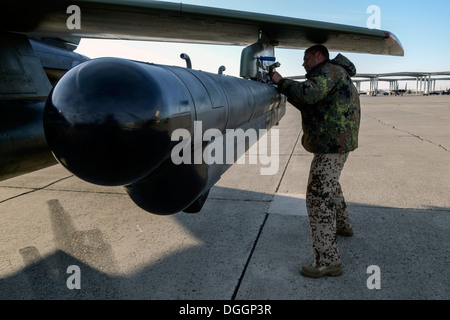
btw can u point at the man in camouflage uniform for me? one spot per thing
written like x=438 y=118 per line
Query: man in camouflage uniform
x=330 y=108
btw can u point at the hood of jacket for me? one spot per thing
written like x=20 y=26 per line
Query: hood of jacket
x=339 y=60
x=342 y=61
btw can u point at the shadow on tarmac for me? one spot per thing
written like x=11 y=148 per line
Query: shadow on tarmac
x=409 y=245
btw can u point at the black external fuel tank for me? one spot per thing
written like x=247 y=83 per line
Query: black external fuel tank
x=110 y=122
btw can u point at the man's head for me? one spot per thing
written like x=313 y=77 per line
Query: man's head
x=314 y=56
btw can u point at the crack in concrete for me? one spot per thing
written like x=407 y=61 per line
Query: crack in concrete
x=261 y=228
x=410 y=133
x=32 y=189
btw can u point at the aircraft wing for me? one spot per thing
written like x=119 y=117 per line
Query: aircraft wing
x=178 y=22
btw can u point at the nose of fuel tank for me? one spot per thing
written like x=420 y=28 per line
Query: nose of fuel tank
x=109 y=121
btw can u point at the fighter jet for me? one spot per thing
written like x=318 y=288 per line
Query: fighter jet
x=111 y=121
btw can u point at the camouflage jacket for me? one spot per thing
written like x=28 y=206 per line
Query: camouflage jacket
x=329 y=103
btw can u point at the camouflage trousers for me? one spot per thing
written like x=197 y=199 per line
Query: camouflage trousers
x=326 y=206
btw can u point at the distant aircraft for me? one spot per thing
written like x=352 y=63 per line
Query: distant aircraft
x=110 y=121
x=401 y=91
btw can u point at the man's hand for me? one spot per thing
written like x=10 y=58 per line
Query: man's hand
x=276 y=77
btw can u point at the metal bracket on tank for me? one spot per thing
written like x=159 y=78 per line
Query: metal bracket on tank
x=186 y=57
x=257 y=58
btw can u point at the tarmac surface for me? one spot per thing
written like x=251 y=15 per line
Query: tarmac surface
x=252 y=236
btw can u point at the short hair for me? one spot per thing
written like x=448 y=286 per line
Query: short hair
x=319 y=48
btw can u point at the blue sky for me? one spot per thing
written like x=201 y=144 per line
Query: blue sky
x=423 y=28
